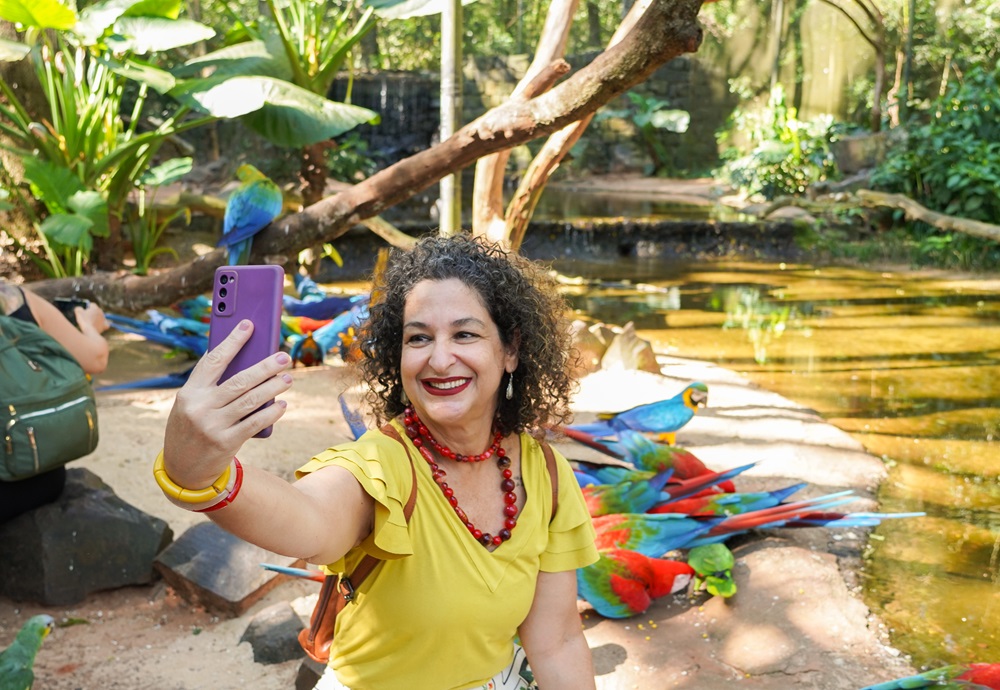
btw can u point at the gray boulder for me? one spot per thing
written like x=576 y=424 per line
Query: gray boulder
x=273 y=635
x=87 y=541
x=223 y=573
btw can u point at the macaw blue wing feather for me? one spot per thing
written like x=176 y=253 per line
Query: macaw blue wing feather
x=326 y=308
x=197 y=345
x=174 y=380
x=249 y=209
x=331 y=336
x=355 y=420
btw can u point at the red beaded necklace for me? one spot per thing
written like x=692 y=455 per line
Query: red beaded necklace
x=418 y=433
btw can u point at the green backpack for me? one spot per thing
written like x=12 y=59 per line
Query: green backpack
x=48 y=415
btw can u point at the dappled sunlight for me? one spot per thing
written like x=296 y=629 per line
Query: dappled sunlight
x=908 y=365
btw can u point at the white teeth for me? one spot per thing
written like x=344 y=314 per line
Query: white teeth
x=447 y=385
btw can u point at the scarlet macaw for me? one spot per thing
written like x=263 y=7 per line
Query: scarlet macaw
x=624 y=583
x=726 y=504
x=249 y=209
x=650 y=535
x=642 y=452
x=625 y=497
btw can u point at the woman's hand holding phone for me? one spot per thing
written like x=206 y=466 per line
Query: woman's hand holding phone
x=209 y=421
x=228 y=397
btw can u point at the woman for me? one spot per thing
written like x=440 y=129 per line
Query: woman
x=87 y=345
x=467 y=346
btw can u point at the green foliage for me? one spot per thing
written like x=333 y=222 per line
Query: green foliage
x=783 y=155
x=655 y=119
x=148 y=226
x=349 y=161
x=275 y=71
x=950 y=162
x=83 y=160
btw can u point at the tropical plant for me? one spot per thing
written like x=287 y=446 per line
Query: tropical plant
x=785 y=154
x=82 y=157
x=950 y=159
x=303 y=44
x=149 y=224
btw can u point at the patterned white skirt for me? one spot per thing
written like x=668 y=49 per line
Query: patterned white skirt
x=516 y=676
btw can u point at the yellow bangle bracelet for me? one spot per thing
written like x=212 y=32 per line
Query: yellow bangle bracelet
x=172 y=489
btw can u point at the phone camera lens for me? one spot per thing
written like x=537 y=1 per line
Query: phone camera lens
x=223 y=279
x=222 y=307
x=223 y=292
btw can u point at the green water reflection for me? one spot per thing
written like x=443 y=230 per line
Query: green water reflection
x=910 y=365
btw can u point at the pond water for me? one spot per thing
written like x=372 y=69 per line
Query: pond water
x=909 y=365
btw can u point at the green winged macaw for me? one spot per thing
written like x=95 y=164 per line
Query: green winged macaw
x=17 y=661
x=624 y=583
x=250 y=209
x=954 y=677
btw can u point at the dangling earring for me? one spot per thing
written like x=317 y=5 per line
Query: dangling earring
x=510 y=386
x=402 y=396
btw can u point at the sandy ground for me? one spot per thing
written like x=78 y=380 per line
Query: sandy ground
x=796 y=622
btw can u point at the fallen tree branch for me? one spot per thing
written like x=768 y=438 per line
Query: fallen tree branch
x=914 y=211
x=667 y=29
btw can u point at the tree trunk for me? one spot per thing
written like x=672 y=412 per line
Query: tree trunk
x=593 y=24
x=546 y=67
x=667 y=29
x=529 y=191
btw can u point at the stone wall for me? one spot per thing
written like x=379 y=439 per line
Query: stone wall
x=409 y=104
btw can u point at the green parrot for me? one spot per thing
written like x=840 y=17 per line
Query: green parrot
x=16 y=661
x=713 y=567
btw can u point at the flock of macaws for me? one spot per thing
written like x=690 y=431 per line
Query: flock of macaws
x=314 y=324
x=661 y=498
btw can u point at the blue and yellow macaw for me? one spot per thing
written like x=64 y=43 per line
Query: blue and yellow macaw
x=18 y=660
x=250 y=209
x=311 y=349
x=662 y=418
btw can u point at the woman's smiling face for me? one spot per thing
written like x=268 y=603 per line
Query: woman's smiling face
x=453 y=359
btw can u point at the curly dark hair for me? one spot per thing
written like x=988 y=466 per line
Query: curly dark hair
x=520 y=297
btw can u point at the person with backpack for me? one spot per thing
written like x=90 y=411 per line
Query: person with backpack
x=85 y=342
x=476 y=535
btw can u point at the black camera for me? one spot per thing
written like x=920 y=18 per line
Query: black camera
x=68 y=305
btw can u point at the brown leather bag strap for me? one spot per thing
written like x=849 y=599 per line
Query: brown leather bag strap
x=550 y=465
x=317 y=639
x=349 y=583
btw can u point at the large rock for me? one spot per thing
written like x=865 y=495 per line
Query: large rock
x=210 y=567
x=629 y=351
x=274 y=635
x=87 y=541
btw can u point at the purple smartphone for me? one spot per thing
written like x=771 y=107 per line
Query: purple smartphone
x=247 y=292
